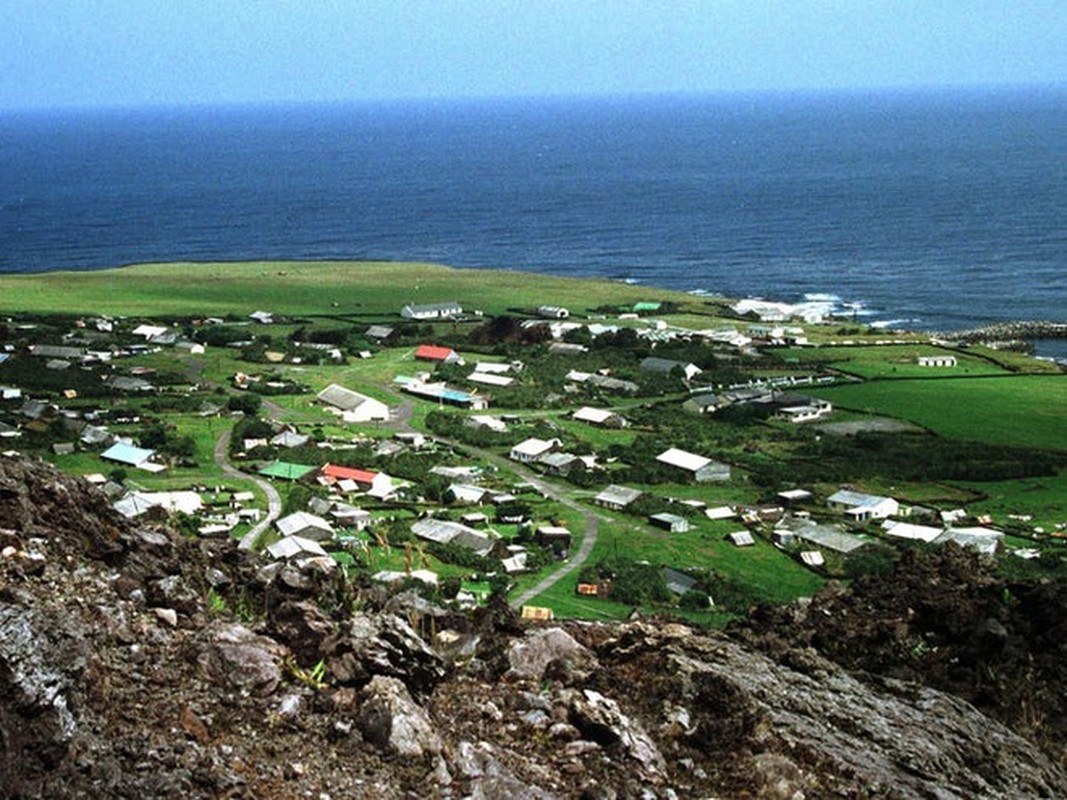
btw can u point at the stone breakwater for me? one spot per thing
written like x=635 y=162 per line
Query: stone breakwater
x=1008 y=331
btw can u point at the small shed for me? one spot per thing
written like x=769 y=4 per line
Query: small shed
x=671 y=522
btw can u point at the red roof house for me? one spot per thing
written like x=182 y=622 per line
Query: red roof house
x=440 y=355
x=363 y=477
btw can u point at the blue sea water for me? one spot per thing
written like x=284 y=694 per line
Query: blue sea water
x=931 y=210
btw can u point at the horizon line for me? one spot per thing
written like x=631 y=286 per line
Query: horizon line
x=408 y=100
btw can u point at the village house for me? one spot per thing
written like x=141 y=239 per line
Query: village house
x=427 y=311
x=131 y=456
x=911 y=531
x=670 y=522
x=741 y=539
x=829 y=537
x=350 y=516
x=937 y=361
x=292 y=547
x=862 y=507
x=483 y=421
x=666 y=366
x=567 y=349
x=437 y=355
x=703 y=404
x=558 y=463
x=448 y=532
x=305 y=524
x=441 y=393
x=351 y=479
x=794 y=496
x=469 y=494
x=600 y=417
x=699 y=468
x=288 y=439
x=678 y=583
x=490 y=378
x=353 y=406
x=555 y=536
x=605 y=382
x=57 y=351
x=530 y=450
x=135 y=505
x=379 y=333
x=553 y=312
x=617 y=497
x=984 y=540
x=285 y=470
x=800 y=408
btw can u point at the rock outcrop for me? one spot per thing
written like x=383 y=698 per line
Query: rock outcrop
x=119 y=679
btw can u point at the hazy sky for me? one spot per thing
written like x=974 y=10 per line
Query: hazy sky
x=132 y=52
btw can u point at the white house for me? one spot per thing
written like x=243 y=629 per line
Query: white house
x=937 y=361
x=294 y=547
x=553 y=312
x=984 y=540
x=671 y=522
x=431 y=310
x=701 y=469
x=301 y=523
x=598 y=416
x=353 y=406
x=616 y=497
x=907 y=530
x=532 y=449
x=805 y=412
x=862 y=507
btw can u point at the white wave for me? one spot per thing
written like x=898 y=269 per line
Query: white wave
x=894 y=323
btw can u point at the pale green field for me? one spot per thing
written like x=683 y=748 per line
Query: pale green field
x=1026 y=410
x=897 y=361
x=331 y=287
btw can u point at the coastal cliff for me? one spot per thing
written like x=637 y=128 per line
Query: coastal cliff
x=137 y=663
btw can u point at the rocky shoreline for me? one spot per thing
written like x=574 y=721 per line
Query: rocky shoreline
x=1015 y=331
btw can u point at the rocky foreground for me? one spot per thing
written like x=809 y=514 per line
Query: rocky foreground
x=137 y=664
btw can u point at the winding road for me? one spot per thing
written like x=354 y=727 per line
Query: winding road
x=274 y=500
x=399 y=419
x=555 y=492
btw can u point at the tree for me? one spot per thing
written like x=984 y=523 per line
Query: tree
x=247 y=404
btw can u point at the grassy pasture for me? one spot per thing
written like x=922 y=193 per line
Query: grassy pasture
x=373 y=289
x=1029 y=410
x=895 y=361
x=1043 y=498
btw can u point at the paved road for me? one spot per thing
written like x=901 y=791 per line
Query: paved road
x=274 y=500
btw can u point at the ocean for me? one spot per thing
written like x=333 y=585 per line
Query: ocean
x=924 y=210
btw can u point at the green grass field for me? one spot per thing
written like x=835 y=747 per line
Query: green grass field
x=896 y=361
x=1028 y=410
x=334 y=287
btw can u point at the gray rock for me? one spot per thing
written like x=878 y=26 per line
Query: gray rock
x=382 y=645
x=599 y=718
x=489 y=780
x=233 y=655
x=530 y=657
x=394 y=723
x=40 y=662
